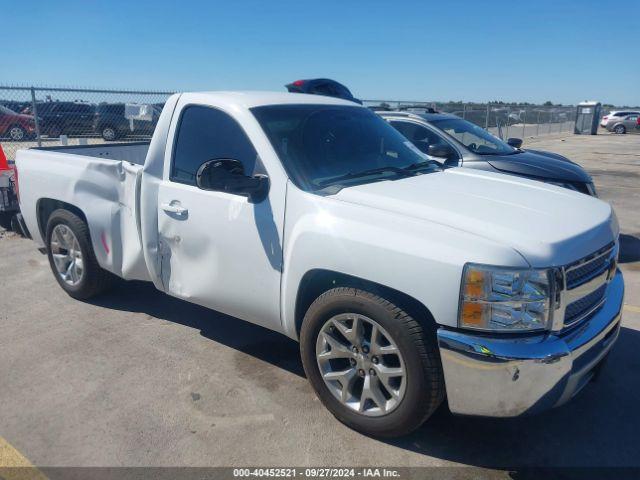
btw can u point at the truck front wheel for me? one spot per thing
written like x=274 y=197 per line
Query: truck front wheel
x=371 y=363
x=71 y=256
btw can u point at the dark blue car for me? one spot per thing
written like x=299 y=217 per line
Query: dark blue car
x=461 y=143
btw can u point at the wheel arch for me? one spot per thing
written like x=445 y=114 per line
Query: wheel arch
x=46 y=206
x=317 y=281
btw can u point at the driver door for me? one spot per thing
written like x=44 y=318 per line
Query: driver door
x=218 y=249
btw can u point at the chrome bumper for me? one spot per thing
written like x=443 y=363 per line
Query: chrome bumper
x=509 y=376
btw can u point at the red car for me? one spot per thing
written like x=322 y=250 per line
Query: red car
x=16 y=126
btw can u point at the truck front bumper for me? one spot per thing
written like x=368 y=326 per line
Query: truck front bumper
x=507 y=376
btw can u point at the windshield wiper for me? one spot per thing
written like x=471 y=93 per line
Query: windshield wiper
x=420 y=165
x=402 y=172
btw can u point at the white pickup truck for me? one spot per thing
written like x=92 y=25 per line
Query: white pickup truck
x=404 y=282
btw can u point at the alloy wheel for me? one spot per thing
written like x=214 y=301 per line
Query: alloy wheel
x=109 y=133
x=67 y=255
x=16 y=133
x=360 y=364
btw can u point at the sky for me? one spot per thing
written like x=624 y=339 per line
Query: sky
x=523 y=51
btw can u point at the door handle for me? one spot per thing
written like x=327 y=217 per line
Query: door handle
x=174 y=208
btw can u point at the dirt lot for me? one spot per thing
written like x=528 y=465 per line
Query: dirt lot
x=136 y=378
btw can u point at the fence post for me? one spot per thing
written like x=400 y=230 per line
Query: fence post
x=524 y=122
x=35 y=115
x=464 y=111
x=486 y=120
x=538 y=125
x=508 y=121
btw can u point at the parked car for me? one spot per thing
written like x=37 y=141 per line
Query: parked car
x=461 y=143
x=322 y=86
x=65 y=118
x=16 y=106
x=613 y=117
x=626 y=124
x=111 y=124
x=404 y=282
x=16 y=126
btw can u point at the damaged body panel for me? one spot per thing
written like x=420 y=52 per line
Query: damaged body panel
x=106 y=190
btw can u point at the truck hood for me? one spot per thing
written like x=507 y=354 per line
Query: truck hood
x=539 y=164
x=546 y=224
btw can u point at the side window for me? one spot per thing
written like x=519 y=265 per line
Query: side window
x=204 y=134
x=79 y=108
x=420 y=136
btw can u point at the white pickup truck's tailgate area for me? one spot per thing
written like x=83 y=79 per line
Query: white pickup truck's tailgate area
x=103 y=188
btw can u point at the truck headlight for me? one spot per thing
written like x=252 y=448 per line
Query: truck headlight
x=505 y=299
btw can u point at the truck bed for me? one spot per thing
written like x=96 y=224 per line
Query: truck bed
x=103 y=182
x=132 y=152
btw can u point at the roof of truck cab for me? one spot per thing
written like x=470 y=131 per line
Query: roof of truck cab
x=250 y=99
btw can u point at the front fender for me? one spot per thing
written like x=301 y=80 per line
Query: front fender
x=418 y=258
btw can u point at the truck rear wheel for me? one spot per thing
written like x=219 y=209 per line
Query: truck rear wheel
x=71 y=256
x=371 y=363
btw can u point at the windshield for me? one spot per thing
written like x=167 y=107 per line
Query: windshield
x=333 y=145
x=476 y=139
x=6 y=111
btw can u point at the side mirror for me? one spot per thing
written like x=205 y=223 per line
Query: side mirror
x=227 y=175
x=440 y=150
x=515 y=142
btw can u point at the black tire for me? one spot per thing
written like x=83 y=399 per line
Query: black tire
x=5 y=220
x=619 y=129
x=15 y=225
x=17 y=133
x=54 y=131
x=95 y=279
x=425 y=389
x=109 y=133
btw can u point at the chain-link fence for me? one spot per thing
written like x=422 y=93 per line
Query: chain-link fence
x=503 y=120
x=31 y=116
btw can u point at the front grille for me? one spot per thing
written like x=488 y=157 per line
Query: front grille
x=577 y=310
x=588 y=268
x=590 y=274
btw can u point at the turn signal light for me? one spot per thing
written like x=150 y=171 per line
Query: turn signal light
x=472 y=314
x=474 y=287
